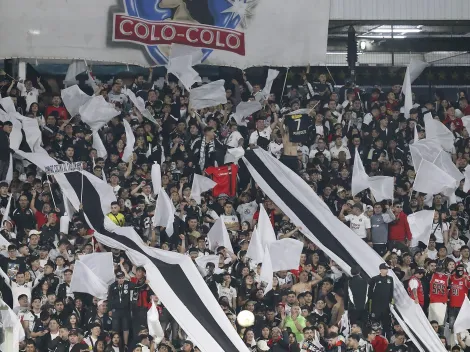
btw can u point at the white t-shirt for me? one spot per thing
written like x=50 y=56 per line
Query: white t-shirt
x=359 y=224
x=247 y=210
x=438 y=231
x=228 y=292
x=233 y=139
x=266 y=133
x=432 y=254
x=325 y=152
x=31 y=96
x=229 y=220
x=17 y=290
x=335 y=152
x=413 y=283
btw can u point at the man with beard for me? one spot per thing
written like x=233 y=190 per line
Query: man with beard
x=459 y=285
x=310 y=342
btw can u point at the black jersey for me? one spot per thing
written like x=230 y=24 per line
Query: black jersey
x=298 y=126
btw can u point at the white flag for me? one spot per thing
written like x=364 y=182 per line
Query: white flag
x=421 y=226
x=178 y=50
x=413 y=71
x=265 y=227
x=424 y=149
x=99 y=146
x=436 y=130
x=466 y=185
x=245 y=109
x=156 y=178
x=101 y=264
x=208 y=95
x=153 y=323
x=202 y=262
x=285 y=254
x=381 y=187
x=466 y=122
x=74 y=69
x=445 y=163
x=9 y=176
x=272 y=75
x=266 y=276
x=181 y=67
x=218 y=236
x=16 y=137
x=255 y=249
x=73 y=97
x=10 y=320
x=130 y=141
x=360 y=180
x=32 y=133
x=139 y=103
x=4 y=243
x=431 y=179
x=92 y=274
x=6 y=212
x=462 y=323
x=200 y=185
x=8 y=105
x=164 y=212
x=97 y=112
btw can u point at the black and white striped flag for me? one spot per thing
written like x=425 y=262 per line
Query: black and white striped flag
x=172 y=276
x=305 y=209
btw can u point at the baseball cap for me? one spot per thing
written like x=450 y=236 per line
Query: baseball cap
x=119 y=274
x=420 y=270
x=383 y=266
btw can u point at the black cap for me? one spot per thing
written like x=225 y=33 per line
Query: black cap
x=420 y=270
x=383 y=266
x=119 y=274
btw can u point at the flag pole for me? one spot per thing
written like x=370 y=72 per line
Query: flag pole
x=81 y=191
x=52 y=193
x=284 y=86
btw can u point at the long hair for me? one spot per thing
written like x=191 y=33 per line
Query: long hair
x=199 y=10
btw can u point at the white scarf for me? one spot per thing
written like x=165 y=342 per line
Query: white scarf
x=202 y=152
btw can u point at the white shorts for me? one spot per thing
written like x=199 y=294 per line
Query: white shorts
x=437 y=312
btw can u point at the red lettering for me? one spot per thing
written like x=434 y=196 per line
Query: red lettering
x=133 y=29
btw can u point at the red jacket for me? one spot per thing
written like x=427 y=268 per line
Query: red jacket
x=399 y=230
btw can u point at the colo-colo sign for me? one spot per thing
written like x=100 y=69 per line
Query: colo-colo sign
x=207 y=24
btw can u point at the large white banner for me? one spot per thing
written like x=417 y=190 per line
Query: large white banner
x=239 y=33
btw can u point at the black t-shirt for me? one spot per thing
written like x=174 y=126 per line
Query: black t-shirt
x=298 y=126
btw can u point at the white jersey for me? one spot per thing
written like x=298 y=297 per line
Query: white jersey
x=17 y=290
x=247 y=210
x=359 y=224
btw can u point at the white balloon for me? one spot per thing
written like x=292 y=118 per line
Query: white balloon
x=245 y=318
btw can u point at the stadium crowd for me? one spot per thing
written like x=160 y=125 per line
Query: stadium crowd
x=306 y=305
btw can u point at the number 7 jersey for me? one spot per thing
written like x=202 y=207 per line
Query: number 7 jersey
x=298 y=126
